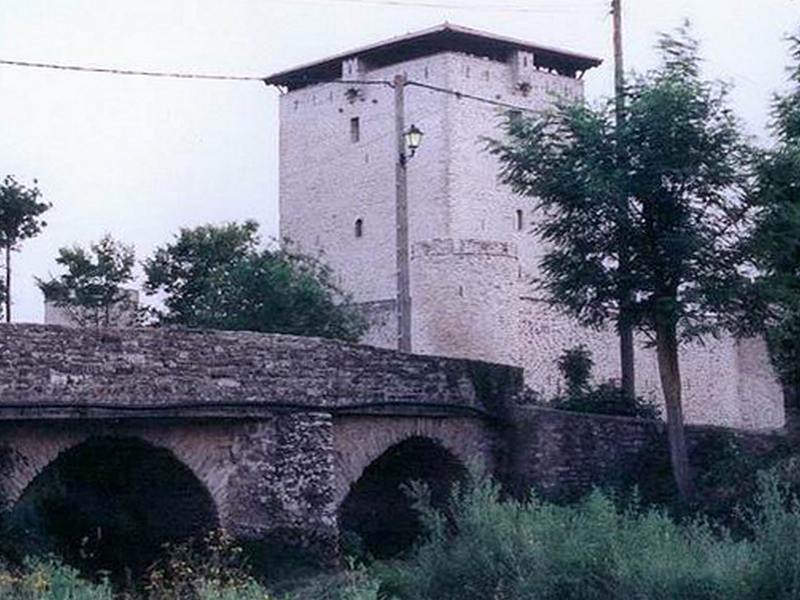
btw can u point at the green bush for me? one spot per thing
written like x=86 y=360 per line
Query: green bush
x=510 y=550
x=606 y=399
x=213 y=570
x=576 y=366
x=356 y=582
x=775 y=523
x=485 y=547
x=49 y=580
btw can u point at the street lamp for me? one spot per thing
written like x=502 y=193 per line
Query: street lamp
x=413 y=138
x=407 y=140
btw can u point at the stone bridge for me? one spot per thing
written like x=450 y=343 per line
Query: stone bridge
x=123 y=438
x=115 y=442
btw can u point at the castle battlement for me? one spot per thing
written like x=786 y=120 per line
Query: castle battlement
x=446 y=247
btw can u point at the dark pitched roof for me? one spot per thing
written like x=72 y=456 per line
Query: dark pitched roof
x=442 y=38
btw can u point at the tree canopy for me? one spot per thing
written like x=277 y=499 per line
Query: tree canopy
x=21 y=208
x=776 y=241
x=218 y=276
x=90 y=290
x=676 y=168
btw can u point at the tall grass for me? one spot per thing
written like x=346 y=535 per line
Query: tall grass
x=489 y=548
x=510 y=550
x=49 y=580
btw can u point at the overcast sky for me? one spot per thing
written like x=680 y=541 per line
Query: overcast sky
x=140 y=157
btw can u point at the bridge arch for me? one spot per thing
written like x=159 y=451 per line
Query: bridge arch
x=375 y=461
x=111 y=503
x=378 y=512
x=360 y=440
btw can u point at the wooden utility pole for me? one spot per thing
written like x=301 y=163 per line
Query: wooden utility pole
x=624 y=325
x=8 y=282
x=619 y=68
x=401 y=219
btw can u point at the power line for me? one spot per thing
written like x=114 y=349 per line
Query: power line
x=560 y=8
x=171 y=74
x=225 y=77
x=459 y=94
x=113 y=71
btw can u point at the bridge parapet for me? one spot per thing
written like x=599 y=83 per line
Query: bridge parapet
x=57 y=372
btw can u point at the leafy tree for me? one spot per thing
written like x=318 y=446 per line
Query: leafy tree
x=681 y=171
x=582 y=395
x=217 y=276
x=575 y=365
x=776 y=241
x=20 y=211
x=91 y=287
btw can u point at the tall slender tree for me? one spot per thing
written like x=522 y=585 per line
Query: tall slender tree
x=21 y=208
x=678 y=158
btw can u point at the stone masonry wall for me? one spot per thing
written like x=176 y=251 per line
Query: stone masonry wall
x=564 y=454
x=50 y=369
x=275 y=428
x=270 y=480
x=464 y=298
x=328 y=180
x=359 y=440
x=725 y=382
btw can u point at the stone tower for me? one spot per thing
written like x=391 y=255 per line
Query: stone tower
x=472 y=256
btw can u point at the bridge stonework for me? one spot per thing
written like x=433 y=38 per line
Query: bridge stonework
x=278 y=439
x=276 y=428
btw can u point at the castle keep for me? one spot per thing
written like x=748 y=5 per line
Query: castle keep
x=472 y=254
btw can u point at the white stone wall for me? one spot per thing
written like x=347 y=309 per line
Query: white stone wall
x=725 y=382
x=760 y=395
x=468 y=300
x=465 y=296
x=327 y=181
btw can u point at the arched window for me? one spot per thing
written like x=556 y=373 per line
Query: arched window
x=359 y=228
x=518 y=220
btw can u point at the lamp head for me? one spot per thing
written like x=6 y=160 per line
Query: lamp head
x=413 y=139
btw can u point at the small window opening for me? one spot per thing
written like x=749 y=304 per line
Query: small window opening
x=359 y=228
x=518 y=220
x=355 y=130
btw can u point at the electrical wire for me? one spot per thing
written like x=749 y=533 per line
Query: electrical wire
x=225 y=77
x=550 y=9
x=113 y=71
x=168 y=74
x=459 y=94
